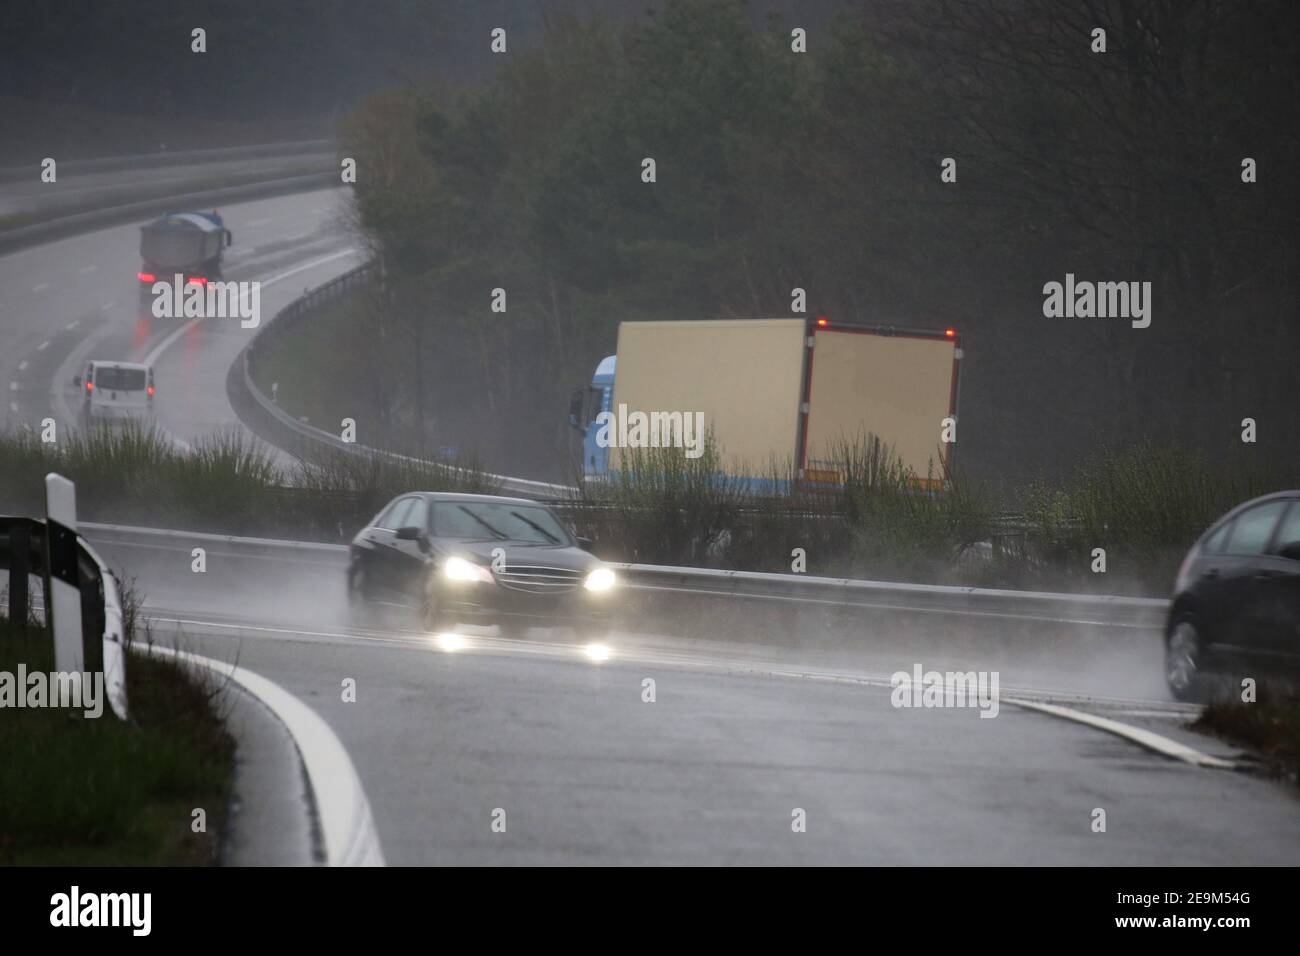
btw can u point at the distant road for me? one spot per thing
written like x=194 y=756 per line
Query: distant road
x=75 y=186
x=69 y=301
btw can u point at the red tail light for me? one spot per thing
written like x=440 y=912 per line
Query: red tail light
x=823 y=322
x=151 y=391
x=145 y=276
x=196 y=280
x=951 y=333
x=90 y=386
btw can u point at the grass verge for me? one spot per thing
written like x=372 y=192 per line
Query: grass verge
x=1270 y=729
x=92 y=791
x=1142 y=506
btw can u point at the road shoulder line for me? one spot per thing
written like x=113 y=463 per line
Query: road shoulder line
x=1143 y=738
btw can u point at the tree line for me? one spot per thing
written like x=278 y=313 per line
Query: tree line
x=1162 y=158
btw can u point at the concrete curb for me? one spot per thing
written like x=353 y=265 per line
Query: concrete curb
x=342 y=812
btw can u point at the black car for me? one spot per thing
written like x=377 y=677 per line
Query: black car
x=479 y=559
x=1236 y=605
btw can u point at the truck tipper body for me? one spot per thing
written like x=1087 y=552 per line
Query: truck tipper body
x=188 y=244
x=777 y=392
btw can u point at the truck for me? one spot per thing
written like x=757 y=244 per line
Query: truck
x=188 y=244
x=779 y=391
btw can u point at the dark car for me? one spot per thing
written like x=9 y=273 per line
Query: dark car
x=479 y=559
x=1236 y=605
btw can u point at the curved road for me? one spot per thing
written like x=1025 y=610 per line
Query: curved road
x=78 y=299
x=740 y=734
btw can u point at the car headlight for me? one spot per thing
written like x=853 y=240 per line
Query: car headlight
x=602 y=579
x=458 y=569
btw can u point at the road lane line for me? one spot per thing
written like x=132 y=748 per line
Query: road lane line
x=1143 y=738
x=166 y=343
x=43 y=346
x=22 y=366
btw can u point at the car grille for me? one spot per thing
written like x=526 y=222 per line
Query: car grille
x=538 y=580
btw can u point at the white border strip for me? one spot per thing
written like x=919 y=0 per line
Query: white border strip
x=1143 y=738
x=346 y=824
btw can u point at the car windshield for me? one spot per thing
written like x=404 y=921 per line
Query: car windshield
x=502 y=522
x=120 y=379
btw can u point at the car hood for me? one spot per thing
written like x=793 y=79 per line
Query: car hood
x=522 y=553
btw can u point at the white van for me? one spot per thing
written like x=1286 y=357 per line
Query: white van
x=116 y=390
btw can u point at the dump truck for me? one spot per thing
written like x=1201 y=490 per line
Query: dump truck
x=188 y=244
x=774 y=392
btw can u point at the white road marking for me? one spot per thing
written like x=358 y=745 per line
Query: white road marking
x=22 y=366
x=346 y=823
x=13 y=386
x=1143 y=738
x=40 y=287
x=73 y=324
x=43 y=346
x=85 y=270
x=13 y=406
x=166 y=343
x=109 y=305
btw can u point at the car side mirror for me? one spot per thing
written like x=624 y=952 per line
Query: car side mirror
x=1291 y=550
x=410 y=533
x=586 y=544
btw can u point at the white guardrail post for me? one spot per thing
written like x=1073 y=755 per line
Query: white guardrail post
x=62 y=574
x=79 y=589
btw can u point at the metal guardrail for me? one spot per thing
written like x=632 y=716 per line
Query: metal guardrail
x=303 y=308
x=1112 y=611
x=51 y=229
x=23 y=553
x=169 y=158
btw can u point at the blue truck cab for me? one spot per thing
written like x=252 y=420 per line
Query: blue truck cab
x=588 y=402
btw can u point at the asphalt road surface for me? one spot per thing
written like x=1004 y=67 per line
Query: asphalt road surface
x=713 y=771
x=445 y=732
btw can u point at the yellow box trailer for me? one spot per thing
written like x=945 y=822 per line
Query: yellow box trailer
x=772 y=392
